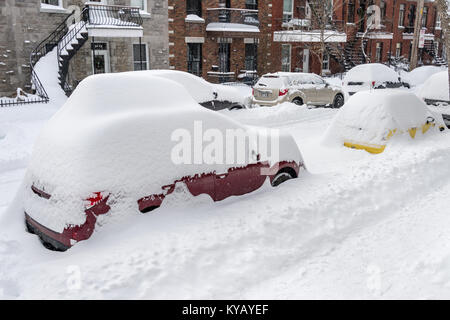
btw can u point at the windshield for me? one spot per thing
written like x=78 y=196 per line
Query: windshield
x=272 y=82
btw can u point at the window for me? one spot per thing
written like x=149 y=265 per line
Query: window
x=286 y=58
x=438 y=21
x=326 y=62
x=425 y=17
x=53 y=2
x=251 y=56
x=224 y=56
x=251 y=4
x=398 y=50
x=379 y=52
x=288 y=10
x=383 y=10
x=195 y=58
x=401 y=16
x=141 y=4
x=194 y=7
x=140 y=57
x=351 y=12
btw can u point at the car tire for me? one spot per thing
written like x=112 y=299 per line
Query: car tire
x=298 y=101
x=338 y=101
x=280 y=177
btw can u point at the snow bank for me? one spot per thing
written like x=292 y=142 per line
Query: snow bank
x=369 y=116
x=436 y=87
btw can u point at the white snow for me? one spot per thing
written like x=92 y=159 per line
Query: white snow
x=230 y=27
x=194 y=18
x=357 y=226
x=371 y=72
x=436 y=87
x=421 y=74
x=369 y=116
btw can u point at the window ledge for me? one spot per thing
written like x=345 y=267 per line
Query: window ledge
x=48 y=8
x=145 y=14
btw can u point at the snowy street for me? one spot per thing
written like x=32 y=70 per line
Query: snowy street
x=355 y=226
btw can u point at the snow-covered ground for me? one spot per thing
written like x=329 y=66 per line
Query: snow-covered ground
x=355 y=226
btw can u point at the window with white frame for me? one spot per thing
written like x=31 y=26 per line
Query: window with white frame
x=288 y=10
x=286 y=58
x=398 y=50
x=401 y=16
x=140 y=56
x=425 y=17
x=141 y=4
x=438 y=21
x=53 y=2
x=379 y=52
x=326 y=62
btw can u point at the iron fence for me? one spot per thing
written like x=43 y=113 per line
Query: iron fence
x=121 y=16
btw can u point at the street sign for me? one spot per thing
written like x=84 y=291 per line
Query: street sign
x=422 y=39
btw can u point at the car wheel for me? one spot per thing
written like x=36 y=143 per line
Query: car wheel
x=298 y=101
x=281 y=177
x=338 y=101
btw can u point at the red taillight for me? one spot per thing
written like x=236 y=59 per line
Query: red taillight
x=283 y=92
x=94 y=199
x=253 y=92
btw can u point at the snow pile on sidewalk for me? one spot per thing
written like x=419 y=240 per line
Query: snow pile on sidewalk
x=369 y=117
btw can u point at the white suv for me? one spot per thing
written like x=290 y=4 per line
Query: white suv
x=299 y=88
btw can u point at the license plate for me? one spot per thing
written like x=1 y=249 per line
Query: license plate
x=265 y=94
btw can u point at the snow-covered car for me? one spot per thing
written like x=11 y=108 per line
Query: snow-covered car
x=299 y=88
x=435 y=93
x=420 y=75
x=212 y=96
x=370 y=119
x=111 y=152
x=371 y=76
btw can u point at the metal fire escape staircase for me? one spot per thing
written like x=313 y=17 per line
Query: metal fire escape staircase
x=69 y=38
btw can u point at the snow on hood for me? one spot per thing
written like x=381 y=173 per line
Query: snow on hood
x=368 y=116
x=436 y=87
x=371 y=72
x=117 y=141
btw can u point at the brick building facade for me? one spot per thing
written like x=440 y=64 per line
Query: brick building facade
x=213 y=38
x=25 y=23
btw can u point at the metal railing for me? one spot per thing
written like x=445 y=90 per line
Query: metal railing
x=121 y=16
x=232 y=15
x=44 y=47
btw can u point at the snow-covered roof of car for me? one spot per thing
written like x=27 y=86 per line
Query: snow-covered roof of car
x=421 y=74
x=371 y=72
x=436 y=87
x=200 y=89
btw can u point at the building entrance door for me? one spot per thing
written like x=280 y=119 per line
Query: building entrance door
x=306 y=60
x=100 y=60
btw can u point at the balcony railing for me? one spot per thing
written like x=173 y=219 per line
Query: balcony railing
x=119 y=16
x=232 y=15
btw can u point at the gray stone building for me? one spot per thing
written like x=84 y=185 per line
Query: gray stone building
x=89 y=37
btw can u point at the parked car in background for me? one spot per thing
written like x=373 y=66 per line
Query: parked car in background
x=435 y=94
x=299 y=88
x=212 y=96
x=113 y=150
x=371 y=76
